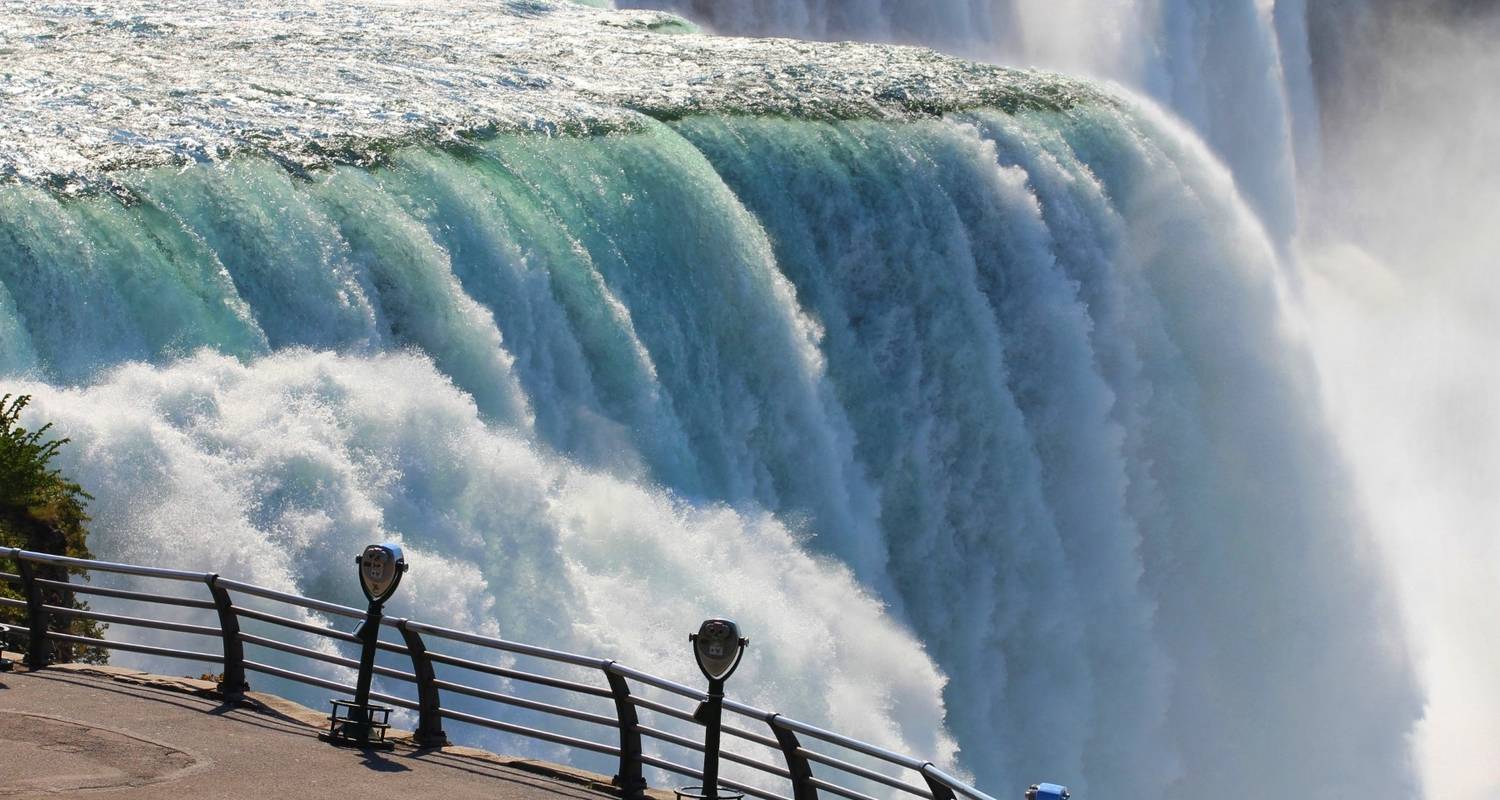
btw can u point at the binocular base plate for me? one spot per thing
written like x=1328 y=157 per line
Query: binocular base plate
x=359 y=744
x=362 y=726
x=697 y=793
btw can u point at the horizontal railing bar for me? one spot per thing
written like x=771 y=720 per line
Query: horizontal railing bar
x=953 y=783
x=647 y=678
x=751 y=790
x=136 y=648
x=867 y=774
x=126 y=594
x=391 y=647
x=662 y=708
x=400 y=702
x=508 y=646
x=669 y=766
x=92 y=565
x=689 y=772
x=287 y=622
x=765 y=741
x=297 y=650
x=9 y=578
x=757 y=714
x=683 y=741
x=120 y=619
x=291 y=599
x=839 y=790
x=533 y=733
x=317 y=630
x=529 y=677
x=680 y=741
x=324 y=683
x=521 y=702
x=6 y=602
x=311 y=680
x=771 y=769
x=848 y=743
x=307 y=652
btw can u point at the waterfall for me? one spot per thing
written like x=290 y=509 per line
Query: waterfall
x=974 y=394
x=1375 y=107
x=1239 y=71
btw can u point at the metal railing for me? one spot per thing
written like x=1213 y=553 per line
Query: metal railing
x=805 y=773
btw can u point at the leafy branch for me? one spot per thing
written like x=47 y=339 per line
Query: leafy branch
x=42 y=510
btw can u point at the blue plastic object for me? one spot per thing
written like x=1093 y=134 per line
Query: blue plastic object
x=1047 y=791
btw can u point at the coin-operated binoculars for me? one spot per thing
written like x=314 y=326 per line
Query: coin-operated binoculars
x=718 y=648
x=1047 y=791
x=359 y=724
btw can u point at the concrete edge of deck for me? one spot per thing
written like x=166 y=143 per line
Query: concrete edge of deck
x=275 y=705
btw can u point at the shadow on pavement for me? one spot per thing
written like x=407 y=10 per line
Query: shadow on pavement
x=374 y=760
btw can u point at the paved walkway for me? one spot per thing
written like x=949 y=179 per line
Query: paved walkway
x=120 y=735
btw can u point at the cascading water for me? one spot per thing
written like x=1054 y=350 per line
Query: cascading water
x=1358 y=131
x=1238 y=71
x=970 y=389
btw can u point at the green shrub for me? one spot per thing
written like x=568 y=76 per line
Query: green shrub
x=41 y=510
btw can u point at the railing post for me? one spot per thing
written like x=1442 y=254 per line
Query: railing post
x=940 y=790
x=631 y=782
x=233 y=685
x=802 y=785
x=429 y=731
x=38 y=649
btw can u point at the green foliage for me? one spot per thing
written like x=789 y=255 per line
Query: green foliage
x=41 y=510
x=28 y=485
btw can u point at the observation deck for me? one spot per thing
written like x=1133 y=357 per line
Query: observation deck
x=75 y=729
x=104 y=727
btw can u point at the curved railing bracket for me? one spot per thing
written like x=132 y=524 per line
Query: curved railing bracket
x=232 y=686
x=803 y=787
x=629 y=780
x=429 y=731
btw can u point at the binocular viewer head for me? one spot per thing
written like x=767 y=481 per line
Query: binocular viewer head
x=380 y=570
x=718 y=647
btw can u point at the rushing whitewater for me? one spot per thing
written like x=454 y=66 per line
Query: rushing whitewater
x=968 y=390
x=1238 y=71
